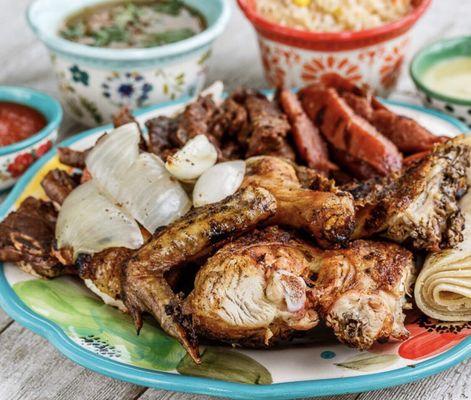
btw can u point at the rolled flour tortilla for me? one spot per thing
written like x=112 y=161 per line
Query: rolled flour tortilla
x=443 y=287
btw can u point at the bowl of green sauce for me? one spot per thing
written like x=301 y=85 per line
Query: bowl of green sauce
x=442 y=75
x=127 y=53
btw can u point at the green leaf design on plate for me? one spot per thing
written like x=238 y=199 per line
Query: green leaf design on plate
x=226 y=365
x=102 y=328
x=369 y=362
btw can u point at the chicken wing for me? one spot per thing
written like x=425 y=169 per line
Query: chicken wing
x=361 y=291
x=420 y=208
x=253 y=290
x=190 y=237
x=328 y=217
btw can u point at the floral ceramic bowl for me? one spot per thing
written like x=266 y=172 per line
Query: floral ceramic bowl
x=294 y=58
x=17 y=157
x=431 y=55
x=95 y=82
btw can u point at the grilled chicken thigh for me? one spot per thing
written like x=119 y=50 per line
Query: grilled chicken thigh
x=360 y=291
x=187 y=239
x=253 y=291
x=327 y=216
x=420 y=208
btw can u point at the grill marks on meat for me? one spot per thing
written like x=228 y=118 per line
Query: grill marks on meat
x=405 y=133
x=310 y=145
x=253 y=290
x=27 y=237
x=361 y=291
x=162 y=141
x=358 y=143
x=246 y=124
x=72 y=158
x=269 y=128
x=187 y=239
x=58 y=184
x=420 y=208
x=327 y=216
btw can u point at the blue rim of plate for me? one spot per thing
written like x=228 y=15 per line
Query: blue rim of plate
x=17 y=310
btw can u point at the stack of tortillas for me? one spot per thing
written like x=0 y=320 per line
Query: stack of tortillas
x=443 y=287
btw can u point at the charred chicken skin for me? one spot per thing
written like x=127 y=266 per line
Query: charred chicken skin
x=420 y=208
x=327 y=216
x=254 y=291
x=361 y=291
x=191 y=237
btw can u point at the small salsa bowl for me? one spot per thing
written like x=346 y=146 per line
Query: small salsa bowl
x=429 y=56
x=296 y=58
x=94 y=82
x=17 y=157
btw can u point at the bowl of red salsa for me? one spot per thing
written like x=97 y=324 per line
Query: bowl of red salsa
x=29 y=122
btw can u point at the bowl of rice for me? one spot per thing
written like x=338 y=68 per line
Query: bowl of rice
x=365 y=41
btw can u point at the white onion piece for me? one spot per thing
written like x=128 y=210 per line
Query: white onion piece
x=216 y=90
x=151 y=195
x=107 y=299
x=193 y=159
x=218 y=182
x=90 y=222
x=113 y=155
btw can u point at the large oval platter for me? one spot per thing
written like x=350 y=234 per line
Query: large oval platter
x=102 y=339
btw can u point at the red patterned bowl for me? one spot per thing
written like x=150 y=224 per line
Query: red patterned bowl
x=294 y=58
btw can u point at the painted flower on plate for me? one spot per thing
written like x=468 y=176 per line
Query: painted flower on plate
x=430 y=337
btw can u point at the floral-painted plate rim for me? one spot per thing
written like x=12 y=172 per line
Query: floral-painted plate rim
x=13 y=306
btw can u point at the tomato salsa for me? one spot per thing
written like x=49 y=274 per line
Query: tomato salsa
x=18 y=122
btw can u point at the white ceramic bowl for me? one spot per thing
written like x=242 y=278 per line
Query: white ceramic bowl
x=296 y=58
x=95 y=82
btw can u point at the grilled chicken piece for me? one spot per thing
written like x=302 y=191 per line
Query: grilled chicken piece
x=420 y=208
x=187 y=239
x=356 y=140
x=328 y=217
x=361 y=291
x=103 y=274
x=253 y=290
x=27 y=236
x=310 y=145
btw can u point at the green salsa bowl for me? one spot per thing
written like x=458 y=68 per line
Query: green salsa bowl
x=430 y=56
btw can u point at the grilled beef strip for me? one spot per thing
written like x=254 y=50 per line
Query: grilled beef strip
x=72 y=158
x=27 y=237
x=58 y=184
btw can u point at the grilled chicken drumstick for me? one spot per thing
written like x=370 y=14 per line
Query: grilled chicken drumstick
x=190 y=237
x=327 y=216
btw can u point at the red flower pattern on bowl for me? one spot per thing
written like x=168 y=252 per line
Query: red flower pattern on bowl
x=293 y=57
x=22 y=161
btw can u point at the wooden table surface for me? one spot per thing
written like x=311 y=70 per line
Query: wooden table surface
x=30 y=367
